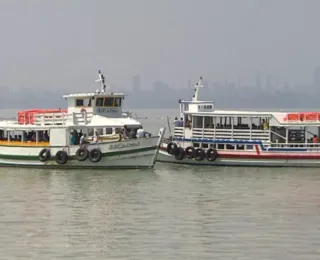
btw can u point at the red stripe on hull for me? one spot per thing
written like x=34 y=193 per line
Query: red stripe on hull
x=265 y=155
x=257 y=149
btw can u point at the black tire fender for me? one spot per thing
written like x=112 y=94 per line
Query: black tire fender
x=179 y=154
x=82 y=154
x=95 y=155
x=61 y=157
x=190 y=152
x=172 y=148
x=44 y=155
x=200 y=154
x=212 y=154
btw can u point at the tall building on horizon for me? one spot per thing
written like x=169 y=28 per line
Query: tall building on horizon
x=189 y=84
x=268 y=82
x=316 y=79
x=136 y=83
x=258 y=80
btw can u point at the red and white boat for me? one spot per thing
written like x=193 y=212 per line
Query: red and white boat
x=205 y=136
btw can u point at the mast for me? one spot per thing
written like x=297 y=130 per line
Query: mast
x=196 y=89
x=102 y=81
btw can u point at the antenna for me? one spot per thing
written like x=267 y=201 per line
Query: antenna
x=102 y=81
x=196 y=90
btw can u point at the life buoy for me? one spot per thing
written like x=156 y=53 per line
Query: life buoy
x=172 y=148
x=95 y=155
x=212 y=154
x=61 y=157
x=190 y=152
x=83 y=110
x=82 y=154
x=179 y=155
x=200 y=154
x=44 y=155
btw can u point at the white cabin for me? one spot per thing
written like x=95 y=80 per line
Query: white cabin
x=100 y=111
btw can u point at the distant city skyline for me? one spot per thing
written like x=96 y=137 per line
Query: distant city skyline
x=266 y=92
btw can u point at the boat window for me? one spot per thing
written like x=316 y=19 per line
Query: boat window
x=108 y=131
x=220 y=146
x=205 y=145
x=99 y=102
x=90 y=132
x=100 y=131
x=79 y=102
x=108 y=102
x=249 y=147
x=117 y=102
x=208 y=122
x=197 y=121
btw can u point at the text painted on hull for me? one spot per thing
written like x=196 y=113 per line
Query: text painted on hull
x=126 y=145
x=107 y=110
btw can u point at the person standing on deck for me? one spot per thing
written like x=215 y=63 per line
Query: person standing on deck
x=72 y=139
x=315 y=139
x=95 y=137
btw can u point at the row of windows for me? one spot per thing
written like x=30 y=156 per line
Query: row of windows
x=108 y=102
x=205 y=107
x=100 y=102
x=224 y=146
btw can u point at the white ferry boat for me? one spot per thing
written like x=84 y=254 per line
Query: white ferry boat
x=205 y=136
x=86 y=135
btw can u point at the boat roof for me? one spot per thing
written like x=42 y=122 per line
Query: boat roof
x=117 y=122
x=96 y=121
x=93 y=94
x=233 y=113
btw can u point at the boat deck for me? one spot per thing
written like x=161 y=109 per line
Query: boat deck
x=24 y=144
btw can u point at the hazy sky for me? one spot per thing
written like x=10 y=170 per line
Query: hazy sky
x=61 y=44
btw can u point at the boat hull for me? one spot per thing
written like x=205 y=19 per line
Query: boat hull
x=248 y=159
x=129 y=154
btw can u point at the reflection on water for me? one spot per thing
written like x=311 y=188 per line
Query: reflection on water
x=172 y=212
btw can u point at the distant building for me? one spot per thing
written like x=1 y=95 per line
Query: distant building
x=316 y=79
x=161 y=87
x=205 y=84
x=268 y=82
x=258 y=80
x=136 y=83
x=189 y=84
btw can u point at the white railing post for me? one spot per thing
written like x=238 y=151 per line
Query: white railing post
x=202 y=127
x=215 y=127
x=85 y=117
x=232 y=126
x=250 y=128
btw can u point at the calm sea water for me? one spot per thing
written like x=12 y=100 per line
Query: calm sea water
x=171 y=212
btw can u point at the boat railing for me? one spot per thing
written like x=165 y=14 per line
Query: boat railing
x=223 y=133
x=178 y=131
x=62 y=118
x=237 y=134
x=310 y=146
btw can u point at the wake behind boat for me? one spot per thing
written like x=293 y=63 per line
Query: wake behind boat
x=205 y=136
x=92 y=133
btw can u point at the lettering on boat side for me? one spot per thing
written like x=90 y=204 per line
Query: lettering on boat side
x=124 y=145
x=107 y=110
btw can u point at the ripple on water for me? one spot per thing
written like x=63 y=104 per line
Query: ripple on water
x=169 y=213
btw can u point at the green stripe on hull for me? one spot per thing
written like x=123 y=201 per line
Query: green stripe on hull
x=108 y=154
x=76 y=167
